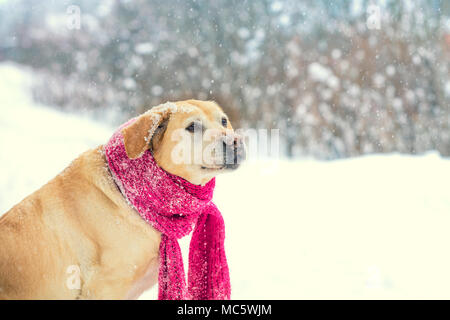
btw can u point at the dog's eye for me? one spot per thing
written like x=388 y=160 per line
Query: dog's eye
x=194 y=126
x=224 y=121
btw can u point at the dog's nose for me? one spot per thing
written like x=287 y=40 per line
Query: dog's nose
x=234 y=151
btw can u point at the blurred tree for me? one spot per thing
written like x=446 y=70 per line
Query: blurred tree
x=313 y=69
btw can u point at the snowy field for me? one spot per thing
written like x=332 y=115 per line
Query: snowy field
x=371 y=227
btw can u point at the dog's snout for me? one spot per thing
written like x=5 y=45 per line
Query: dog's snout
x=234 y=151
x=238 y=142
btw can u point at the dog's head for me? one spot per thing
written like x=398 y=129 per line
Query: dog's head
x=191 y=139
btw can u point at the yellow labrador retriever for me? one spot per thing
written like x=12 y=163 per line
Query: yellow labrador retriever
x=77 y=237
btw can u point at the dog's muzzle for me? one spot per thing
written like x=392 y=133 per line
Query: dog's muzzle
x=234 y=151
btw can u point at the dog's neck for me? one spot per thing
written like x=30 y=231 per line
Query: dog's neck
x=154 y=193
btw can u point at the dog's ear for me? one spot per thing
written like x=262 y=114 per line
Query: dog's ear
x=138 y=136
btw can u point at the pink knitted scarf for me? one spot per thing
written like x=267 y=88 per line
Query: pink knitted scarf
x=173 y=206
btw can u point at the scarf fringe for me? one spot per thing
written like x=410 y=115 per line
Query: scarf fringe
x=208 y=275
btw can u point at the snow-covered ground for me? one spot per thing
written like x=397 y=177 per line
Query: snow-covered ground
x=371 y=227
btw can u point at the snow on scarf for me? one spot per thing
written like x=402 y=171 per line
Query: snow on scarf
x=173 y=206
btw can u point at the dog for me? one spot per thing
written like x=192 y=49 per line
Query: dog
x=77 y=237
